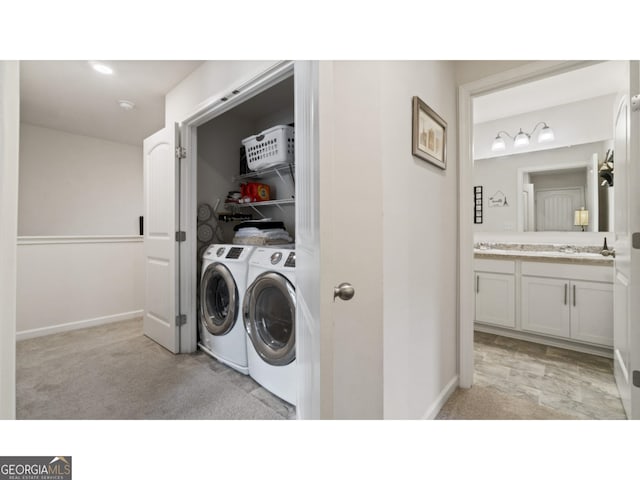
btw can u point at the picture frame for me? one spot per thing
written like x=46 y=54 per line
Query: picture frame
x=429 y=134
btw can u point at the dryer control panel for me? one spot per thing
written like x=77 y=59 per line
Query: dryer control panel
x=291 y=260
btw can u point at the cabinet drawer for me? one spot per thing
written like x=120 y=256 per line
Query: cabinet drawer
x=595 y=273
x=494 y=266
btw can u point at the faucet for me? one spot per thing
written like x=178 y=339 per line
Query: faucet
x=605 y=250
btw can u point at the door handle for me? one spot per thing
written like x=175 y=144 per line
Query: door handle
x=477 y=283
x=344 y=291
x=574 y=295
x=565 y=293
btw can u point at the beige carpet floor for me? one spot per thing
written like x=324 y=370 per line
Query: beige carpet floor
x=115 y=372
x=481 y=403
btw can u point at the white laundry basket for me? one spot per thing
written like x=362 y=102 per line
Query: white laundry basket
x=270 y=148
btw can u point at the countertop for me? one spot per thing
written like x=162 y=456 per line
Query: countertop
x=550 y=256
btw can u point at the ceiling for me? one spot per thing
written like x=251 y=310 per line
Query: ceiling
x=71 y=96
x=589 y=82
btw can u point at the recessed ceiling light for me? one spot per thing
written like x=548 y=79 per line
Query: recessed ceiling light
x=103 y=69
x=126 y=105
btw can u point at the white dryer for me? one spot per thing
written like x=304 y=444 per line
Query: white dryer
x=222 y=287
x=269 y=312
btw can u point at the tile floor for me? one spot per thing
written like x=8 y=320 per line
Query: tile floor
x=570 y=382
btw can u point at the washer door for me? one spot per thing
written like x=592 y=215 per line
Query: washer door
x=218 y=299
x=269 y=312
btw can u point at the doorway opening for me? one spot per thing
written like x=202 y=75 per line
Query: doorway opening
x=536 y=295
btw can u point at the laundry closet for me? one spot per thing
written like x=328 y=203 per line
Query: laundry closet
x=245 y=257
x=219 y=145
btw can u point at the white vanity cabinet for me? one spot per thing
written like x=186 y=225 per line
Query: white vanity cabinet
x=568 y=305
x=570 y=301
x=495 y=292
x=545 y=306
x=592 y=312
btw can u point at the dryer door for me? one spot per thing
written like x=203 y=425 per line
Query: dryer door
x=269 y=312
x=218 y=299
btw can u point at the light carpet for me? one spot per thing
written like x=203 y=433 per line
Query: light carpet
x=115 y=372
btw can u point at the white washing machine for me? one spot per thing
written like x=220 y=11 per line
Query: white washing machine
x=269 y=312
x=222 y=287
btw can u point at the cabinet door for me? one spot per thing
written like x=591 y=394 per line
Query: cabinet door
x=592 y=312
x=495 y=299
x=545 y=306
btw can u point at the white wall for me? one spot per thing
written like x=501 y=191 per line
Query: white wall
x=76 y=282
x=420 y=204
x=79 y=250
x=9 y=138
x=501 y=173
x=77 y=185
x=211 y=79
x=574 y=123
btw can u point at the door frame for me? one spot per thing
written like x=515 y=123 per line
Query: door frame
x=466 y=93
x=208 y=110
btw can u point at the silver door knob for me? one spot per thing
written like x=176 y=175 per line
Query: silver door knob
x=345 y=291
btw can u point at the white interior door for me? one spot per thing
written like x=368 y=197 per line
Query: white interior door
x=339 y=341
x=554 y=208
x=626 y=325
x=160 y=246
x=307 y=241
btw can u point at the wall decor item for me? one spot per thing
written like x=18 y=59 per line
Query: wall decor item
x=477 y=204
x=498 y=199
x=429 y=135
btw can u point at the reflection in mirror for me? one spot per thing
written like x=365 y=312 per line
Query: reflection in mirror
x=543 y=190
x=565 y=199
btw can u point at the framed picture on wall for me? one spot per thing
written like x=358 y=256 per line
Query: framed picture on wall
x=429 y=138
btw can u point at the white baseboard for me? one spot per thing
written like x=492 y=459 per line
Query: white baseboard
x=446 y=392
x=65 y=327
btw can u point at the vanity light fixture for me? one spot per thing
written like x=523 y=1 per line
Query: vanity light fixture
x=522 y=138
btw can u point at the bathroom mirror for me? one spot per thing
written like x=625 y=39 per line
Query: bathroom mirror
x=546 y=191
x=564 y=199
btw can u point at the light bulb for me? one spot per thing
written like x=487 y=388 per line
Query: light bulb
x=498 y=144
x=521 y=139
x=546 y=135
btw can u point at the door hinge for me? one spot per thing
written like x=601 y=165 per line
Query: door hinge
x=636 y=378
x=635 y=240
x=635 y=103
x=181 y=236
x=181 y=320
x=181 y=152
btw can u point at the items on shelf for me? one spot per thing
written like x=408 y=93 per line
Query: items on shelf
x=250 y=192
x=271 y=147
x=234 y=217
x=261 y=232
